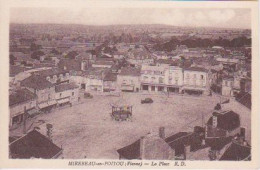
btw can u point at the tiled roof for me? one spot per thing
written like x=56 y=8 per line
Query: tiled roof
x=226 y=121
x=168 y=61
x=130 y=71
x=34 y=145
x=69 y=64
x=36 y=82
x=104 y=62
x=14 y=70
x=65 y=86
x=110 y=76
x=245 y=99
x=236 y=152
x=51 y=72
x=20 y=96
x=196 y=69
x=218 y=143
x=131 y=151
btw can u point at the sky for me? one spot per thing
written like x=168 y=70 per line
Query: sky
x=220 y=18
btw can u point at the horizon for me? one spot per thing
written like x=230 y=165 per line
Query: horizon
x=200 y=18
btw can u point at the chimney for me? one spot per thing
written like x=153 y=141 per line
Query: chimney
x=162 y=132
x=83 y=65
x=142 y=147
x=243 y=133
x=215 y=120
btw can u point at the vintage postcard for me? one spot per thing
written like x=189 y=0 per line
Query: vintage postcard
x=129 y=84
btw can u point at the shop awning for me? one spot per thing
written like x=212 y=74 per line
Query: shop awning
x=194 y=88
x=63 y=100
x=53 y=102
x=127 y=88
x=43 y=105
x=32 y=111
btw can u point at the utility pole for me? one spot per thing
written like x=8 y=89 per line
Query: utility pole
x=202 y=121
x=24 y=120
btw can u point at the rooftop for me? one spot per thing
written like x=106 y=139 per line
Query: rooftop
x=20 y=96
x=199 y=69
x=65 y=86
x=36 y=82
x=34 y=145
x=130 y=71
x=228 y=120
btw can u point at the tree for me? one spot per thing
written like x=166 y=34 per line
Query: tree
x=35 y=47
x=54 y=51
x=37 y=54
x=71 y=55
x=12 y=58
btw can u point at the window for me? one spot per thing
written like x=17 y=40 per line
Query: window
x=160 y=80
x=187 y=76
x=201 y=77
x=60 y=94
x=72 y=93
x=226 y=83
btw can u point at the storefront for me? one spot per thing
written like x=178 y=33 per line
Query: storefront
x=63 y=101
x=127 y=88
x=47 y=106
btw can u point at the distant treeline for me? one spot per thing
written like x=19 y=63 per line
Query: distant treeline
x=203 y=43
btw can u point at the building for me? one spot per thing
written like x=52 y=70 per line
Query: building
x=153 y=78
x=34 y=145
x=67 y=93
x=21 y=102
x=174 y=79
x=228 y=86
x=222 y=124
x=139 y=57
x=94 y=79
x=149 y=147
x=43 y=89
x=239 y=150
x=102 y=64
x=129 y=79
x=55 y=76
x=155 y=146
x=195 y=81
x=110 y=82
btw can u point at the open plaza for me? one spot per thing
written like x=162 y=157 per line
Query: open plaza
x=86 y=130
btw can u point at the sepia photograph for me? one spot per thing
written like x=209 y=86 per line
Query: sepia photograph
x=130 y=84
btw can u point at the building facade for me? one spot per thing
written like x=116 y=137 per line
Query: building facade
x=20 y=102
x=195 y=81
x=129 y=79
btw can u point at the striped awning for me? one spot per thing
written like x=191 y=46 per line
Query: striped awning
x=52 y=102
x=65 y=100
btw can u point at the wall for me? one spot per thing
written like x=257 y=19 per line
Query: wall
x=128 y=80
x=174 y=76
x=45 y=95
x=194 y=78
x=68 y=94
x=19 y=108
